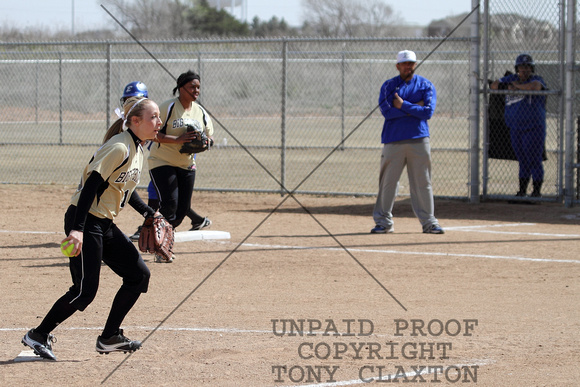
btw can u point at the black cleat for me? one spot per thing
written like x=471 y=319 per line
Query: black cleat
x=41 y=344
x=135 y=237
x=205 y=223
x=117 y=343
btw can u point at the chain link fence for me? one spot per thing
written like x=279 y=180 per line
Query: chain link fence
x=301 y=113
x=524 y=135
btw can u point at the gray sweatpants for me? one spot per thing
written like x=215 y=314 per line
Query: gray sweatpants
x=416 y=155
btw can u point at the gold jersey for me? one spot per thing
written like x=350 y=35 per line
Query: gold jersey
x=119 y=162
x=175 y=120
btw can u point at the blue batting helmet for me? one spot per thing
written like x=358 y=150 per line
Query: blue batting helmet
x=134 y=89
x=525 y=59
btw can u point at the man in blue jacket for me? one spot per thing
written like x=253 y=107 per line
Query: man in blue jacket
x=407 y=101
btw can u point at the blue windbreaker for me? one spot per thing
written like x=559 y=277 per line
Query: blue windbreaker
x=410 y=121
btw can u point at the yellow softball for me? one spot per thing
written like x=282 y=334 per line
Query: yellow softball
x=68 y=251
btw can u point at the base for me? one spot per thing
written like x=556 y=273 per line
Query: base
x=202 y=235
x=27 y=355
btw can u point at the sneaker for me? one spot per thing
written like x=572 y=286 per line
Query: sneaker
x=434 y=229
x=382 y=229
x=520 y=194
x=206 y=223
x=117 y=343
x=160 y=259
x=536 y=194
x=42 y=345
x=135 y=237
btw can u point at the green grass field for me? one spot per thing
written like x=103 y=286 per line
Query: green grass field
x=50 y=154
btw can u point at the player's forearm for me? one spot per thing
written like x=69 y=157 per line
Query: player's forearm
x=86 y=198
x=169 y=139
x=529 y=86
x=139 y=205
x=166 y=138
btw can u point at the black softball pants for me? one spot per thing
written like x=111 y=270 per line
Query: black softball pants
x=103 y=241
x=174 y=188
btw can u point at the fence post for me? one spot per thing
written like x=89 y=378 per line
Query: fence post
x=199 y=63
x=342 y=100
x=486 y=72
x=474 y=108
x=60 y=95
x=108 y=91
x=283 y=116
x=36 y=93
x=577 y=193
x=570 y=95
x=561 y=154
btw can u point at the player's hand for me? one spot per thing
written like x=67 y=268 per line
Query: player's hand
x=75 y=237
x=186 y=137
x=397 y=101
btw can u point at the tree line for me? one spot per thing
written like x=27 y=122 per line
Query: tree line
x=197 y=19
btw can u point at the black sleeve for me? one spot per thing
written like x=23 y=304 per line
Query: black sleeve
x=502 y=86
x=86 y=199
x=139 y=205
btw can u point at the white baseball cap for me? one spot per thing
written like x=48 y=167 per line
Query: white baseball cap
x=406 y=56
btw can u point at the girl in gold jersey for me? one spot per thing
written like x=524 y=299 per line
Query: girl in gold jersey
x=172 y=172
x=107 y=185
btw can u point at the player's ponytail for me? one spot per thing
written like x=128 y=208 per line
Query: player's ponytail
x=131 y=108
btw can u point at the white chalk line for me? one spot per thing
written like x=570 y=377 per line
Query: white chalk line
x=387 y=378
x=236 y=330
x=482 y=227
x=144 y=328
x=30 y=232
x=474 y=228
x=299 y=335
x=413 y=253
x=491 y=225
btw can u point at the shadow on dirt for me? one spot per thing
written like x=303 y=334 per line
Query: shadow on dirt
x=500 y=211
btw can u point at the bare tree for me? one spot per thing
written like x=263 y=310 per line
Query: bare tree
x=348 y=18
x=152 y=18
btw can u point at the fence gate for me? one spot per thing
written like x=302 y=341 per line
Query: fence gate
x=514 y=148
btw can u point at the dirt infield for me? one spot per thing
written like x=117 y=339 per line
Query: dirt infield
x=493 y=301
